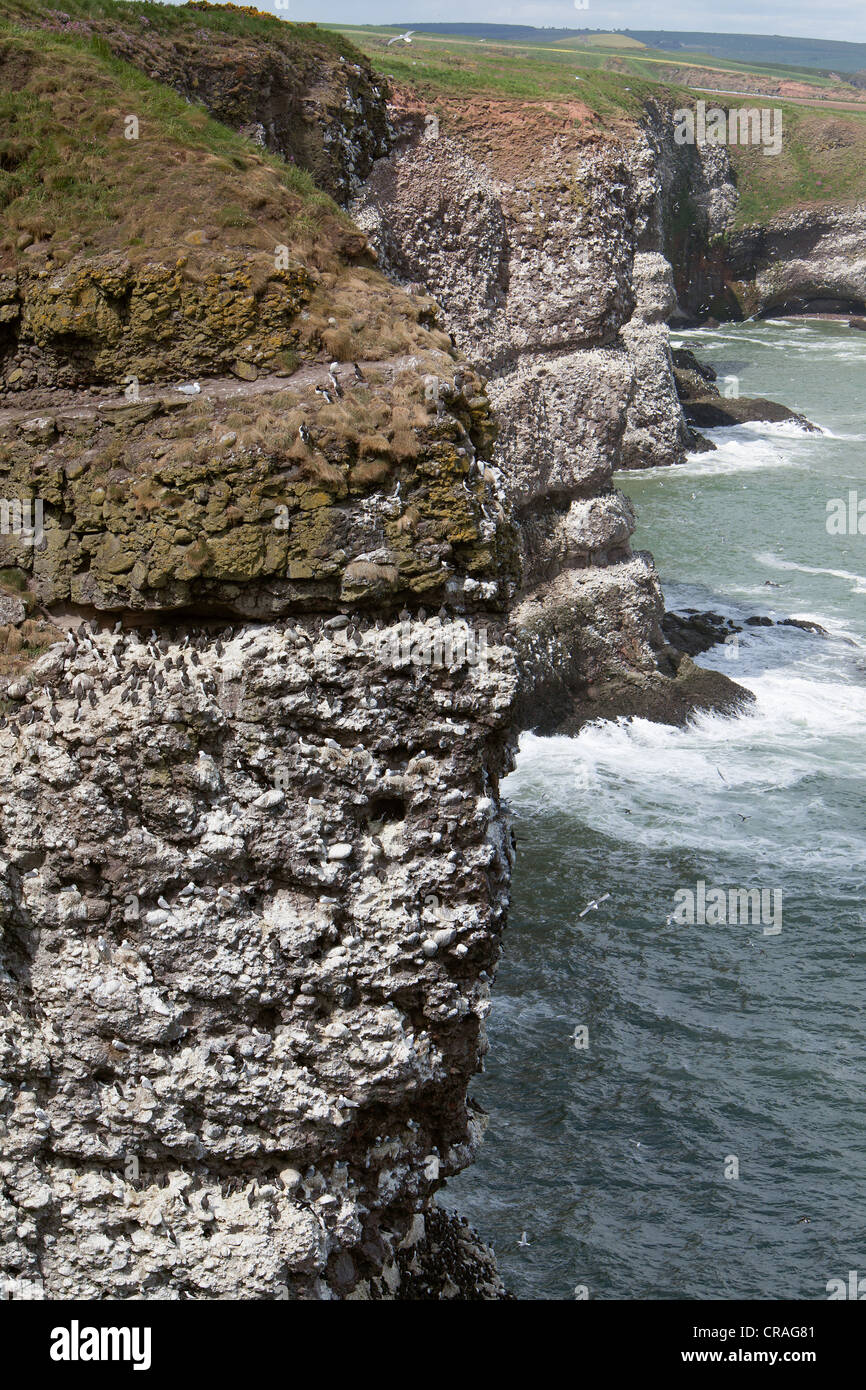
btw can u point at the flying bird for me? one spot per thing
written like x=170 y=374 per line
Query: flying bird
x=407 y=37
x=593 y=906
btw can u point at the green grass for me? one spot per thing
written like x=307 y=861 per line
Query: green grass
x=237 y=20
x=520 y=68
x=68 y=172
x=823 y=159
x=432 y=66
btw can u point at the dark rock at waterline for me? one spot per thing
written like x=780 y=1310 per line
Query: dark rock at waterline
x=688 y=689
x=711 y=412
x=698 y=443
x=692 y=386
x=857 y=323
x=705 y=407
x=450 y=1261
x=696 y=633
x=804 y=624
x=685 y=359
x=692 y=632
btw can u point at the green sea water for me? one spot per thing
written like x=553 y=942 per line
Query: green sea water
x=709 y=1141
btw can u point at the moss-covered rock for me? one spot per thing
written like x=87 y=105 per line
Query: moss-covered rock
x=161 y=505
x=112 y=321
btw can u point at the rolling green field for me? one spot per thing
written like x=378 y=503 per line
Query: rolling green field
x=491 y=63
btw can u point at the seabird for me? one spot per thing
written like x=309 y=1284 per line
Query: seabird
x=359 y=375
x=593 y=906
x=407 y=37
x=524 y=1241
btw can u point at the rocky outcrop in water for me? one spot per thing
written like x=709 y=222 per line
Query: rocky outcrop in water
x=705 y=406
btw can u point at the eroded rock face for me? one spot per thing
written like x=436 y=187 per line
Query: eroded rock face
x=106 y=320
x=253 y=883
x=251 y=900
x=810 y=259
x=549 y=277
x=256 y=500
x=656 y=433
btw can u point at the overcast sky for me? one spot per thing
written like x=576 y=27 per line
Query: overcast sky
x=831 y=19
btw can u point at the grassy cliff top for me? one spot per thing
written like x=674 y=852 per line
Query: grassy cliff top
x=94 y=155
x=175 y=307
x=176 y=20
x=69 y=173
x=452 y=67
x=823 y=158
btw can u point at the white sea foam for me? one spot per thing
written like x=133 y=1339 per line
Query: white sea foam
x=743 y=449
x=777 y=563
x=661 y=787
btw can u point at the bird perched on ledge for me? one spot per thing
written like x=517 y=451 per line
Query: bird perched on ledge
x=332 y=377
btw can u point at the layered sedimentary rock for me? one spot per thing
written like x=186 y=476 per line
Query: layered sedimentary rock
x=253 y=877
x=262 y=498
x=810 y=260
